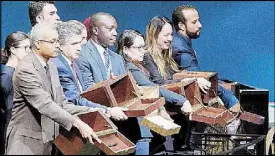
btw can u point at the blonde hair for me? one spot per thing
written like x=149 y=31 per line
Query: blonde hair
x=162 y=59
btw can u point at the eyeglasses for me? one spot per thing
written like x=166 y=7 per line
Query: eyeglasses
x=140 y=47
x=27 y=48
x=53 y=41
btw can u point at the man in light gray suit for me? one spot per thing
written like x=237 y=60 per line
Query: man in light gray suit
x=97 y=62
x=39 y=102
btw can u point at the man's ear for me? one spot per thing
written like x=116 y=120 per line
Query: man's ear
x=39 y=18
x=12 y=50
x=125 y=49
x=95 y=30
x=182 y=26
x=36 y=45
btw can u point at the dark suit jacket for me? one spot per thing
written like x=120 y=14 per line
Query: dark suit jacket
x=92 y=66
x=37 y=114
x=185 y=56
x=3 y=110
x=69 y=83
x=155 y=75
x=183 y=53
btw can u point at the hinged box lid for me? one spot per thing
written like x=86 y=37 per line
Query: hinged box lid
x=122 y=92
x=210 y=76
x=160 y=125
x=113 y=142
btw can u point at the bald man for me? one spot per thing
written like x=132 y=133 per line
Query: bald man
x=97 y=62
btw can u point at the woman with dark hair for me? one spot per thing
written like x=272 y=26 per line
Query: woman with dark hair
x=17 y=45
x=131 y=46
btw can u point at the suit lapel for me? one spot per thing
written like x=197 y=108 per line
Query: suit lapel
x=79 y=76
x=53 y=79
x=42 y=72
x=95 y=54
x=62 y=59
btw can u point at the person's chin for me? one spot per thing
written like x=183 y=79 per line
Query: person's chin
x=165 y=47
x=112 y=42
x=76 y=57
x=55 y=54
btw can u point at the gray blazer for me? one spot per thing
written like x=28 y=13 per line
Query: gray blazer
x=37 y=112
x=92 y=66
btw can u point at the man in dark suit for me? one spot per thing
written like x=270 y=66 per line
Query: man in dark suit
x=39 y=102
x=71 y=37
x=187 y=24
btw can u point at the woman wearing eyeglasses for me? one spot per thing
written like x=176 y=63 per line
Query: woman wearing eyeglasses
x=17 y=45
x=131 y=46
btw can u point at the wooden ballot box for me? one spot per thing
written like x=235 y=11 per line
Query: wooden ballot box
x=122 y=92
x=161 y=125
x=210 y=76
x=189 y=89
x=212 y=115
x=113 y=142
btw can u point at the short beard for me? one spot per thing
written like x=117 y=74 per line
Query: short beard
x=193 y=35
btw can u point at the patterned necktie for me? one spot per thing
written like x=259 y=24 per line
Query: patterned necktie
x=75 y=77
x=107 y=63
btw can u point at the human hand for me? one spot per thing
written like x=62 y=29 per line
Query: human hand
x=236 y=108
x=112 y=76
x=117 y=113
x=203 y=84
x=186 y=107
x=86 y=131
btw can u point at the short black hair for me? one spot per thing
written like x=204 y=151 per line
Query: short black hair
x=35 y=8
x=178 y=16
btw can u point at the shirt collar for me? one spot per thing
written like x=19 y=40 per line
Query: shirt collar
x=188 y=40
x=40 y=59
x=99 y=47
x=67 y=60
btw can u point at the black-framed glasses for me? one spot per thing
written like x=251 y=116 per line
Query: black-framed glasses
x=140 y=47
x=26 y=48
x=53 y=41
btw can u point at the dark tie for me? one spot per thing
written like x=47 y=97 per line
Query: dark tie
x=107 y=63
x=75 y=77
x=48 y=73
